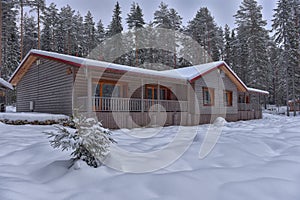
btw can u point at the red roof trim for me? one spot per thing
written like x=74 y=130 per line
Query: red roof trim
x=217 y=67
x=56 y=59
x=90 y=66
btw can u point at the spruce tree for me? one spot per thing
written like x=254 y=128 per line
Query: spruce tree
x=89 y=34
x=78 y=35
x=115 y=26
x=162 y=17
x=227 y=48
x=135 y=21
x=64 y=30
x=135 y=18
x=38 y=6
x=287 y=36
x=10 y=41
x=30 y=34
x=100 y=32
x=114 y=45
x=49 y=32
x=202 y=28
x=252 y=44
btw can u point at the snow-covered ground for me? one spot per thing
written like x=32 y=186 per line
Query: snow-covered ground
x=257 y=159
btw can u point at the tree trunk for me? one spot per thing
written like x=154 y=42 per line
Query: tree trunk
x=0 y=37
x=22 y=28
x=39 y=35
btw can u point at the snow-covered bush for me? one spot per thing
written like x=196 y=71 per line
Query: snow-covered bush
x=86 y=137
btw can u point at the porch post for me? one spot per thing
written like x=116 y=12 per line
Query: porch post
x=89 y=93
x=158 y=95
x=143 y=90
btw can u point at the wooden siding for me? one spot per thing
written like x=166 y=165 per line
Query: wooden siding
x=213 y=80
x=49 y=86
x=2 y=95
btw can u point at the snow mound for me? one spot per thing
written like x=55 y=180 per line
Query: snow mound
x=31 y=117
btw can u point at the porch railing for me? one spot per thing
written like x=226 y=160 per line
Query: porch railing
x=133 y=105
x=249 y=107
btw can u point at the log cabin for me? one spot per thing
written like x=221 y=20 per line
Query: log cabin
x=128 y=97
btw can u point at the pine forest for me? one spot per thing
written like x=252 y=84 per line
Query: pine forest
x=262 y=58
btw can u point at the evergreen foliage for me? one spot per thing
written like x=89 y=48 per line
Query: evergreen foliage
x=262 y=62
x=252 y=39
x=10 y=41
x=87 y=140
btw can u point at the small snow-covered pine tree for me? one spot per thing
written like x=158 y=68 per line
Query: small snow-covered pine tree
x=88 y=140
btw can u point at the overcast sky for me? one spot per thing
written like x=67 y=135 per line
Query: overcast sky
x=222 y=10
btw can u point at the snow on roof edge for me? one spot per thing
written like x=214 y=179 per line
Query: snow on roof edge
x=19 y=66
x=235 y=75
x=257 y=90
x=165 y=73
x=97 y=63
x=6 y=84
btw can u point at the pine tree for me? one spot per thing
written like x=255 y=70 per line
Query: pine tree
x=165 y=18
x=88 y=140
x=114 y=45
x=162 y=17
x=38 y=6
x=176 y=26
x=135 y=21
x=115 y=26
x=30 y=33
x=10 y=41
x=100 y=32
x=49 y=32
x=227 y=48
x=64 y=30
x=287 y=35
x=175 y=20
x=78 y=30
x=202 y=28
x=252 y=44
x=135 y=18
x=234 y=51
x=89 y=34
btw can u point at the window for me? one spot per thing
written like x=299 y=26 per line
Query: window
x=245 y=98
x=151 y=92
x=227 y=98
x=208 y=96
x=241 y=98
x=108 y=89
x=248 y=99
x=103 y=91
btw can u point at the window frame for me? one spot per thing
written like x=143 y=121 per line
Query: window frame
x=211 y=92
x=123 y=88
x=155 y=88
x=228 y=95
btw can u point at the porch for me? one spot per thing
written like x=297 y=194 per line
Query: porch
x=117 y=104
x=248 y=111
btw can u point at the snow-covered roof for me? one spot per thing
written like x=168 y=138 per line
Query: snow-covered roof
x=257 y=90
x=190 y=73
x=79 y=61
x=186 y=74
x=5 y=84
